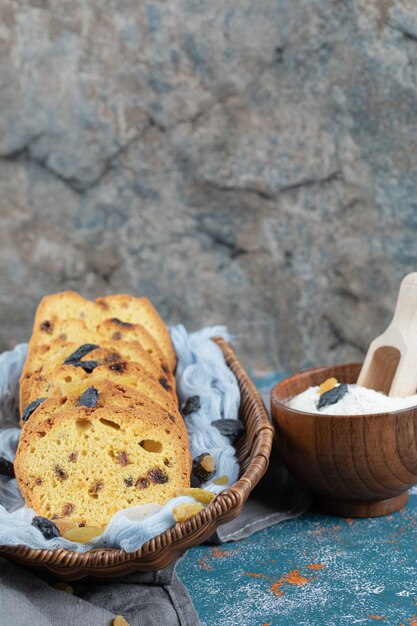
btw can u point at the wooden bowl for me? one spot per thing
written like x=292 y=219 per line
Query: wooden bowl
x=356 y=465
x=253 y=450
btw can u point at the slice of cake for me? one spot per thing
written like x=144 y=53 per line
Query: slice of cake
x=123 y=308
x=65 y=380
x=75 y=331
x=102 y=394
x=46 y=358
x=87 y=464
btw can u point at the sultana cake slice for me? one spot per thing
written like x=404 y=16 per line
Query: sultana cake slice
x=46 y=358
x=88 y=463
x=75 y=331
x=101 y=394
x=121 y=307
x=66 y=380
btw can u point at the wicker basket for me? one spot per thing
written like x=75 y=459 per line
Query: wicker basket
x=253 y=452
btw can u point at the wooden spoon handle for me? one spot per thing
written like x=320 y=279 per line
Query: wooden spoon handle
x=405 y=315
x=391 y=362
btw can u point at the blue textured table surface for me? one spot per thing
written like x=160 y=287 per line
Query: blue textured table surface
x=314 y=570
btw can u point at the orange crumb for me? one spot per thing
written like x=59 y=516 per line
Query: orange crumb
x=204 y=563
x=293 y=577
x=316 y=566
x=216 y=553
x=377 y=617
x=276 y=589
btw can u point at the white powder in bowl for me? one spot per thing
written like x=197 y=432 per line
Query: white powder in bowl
x=357 y=401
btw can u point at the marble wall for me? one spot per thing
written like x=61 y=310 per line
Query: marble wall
x=247 y=163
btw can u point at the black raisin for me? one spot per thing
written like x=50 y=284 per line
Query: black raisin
x=158 y=475
x=122 y=458
x=67 y=509
x=80 y=353
x=171 y=417
x=165 y=368
x=60 y=472
x=89 y=398
x=46 y=527
x=232 y=429
x=6 y=467
x=31 y=408
x=164 y=382
x=200 y=472
x=96 y=486
x=194 y=481
x=116 y=320
x=128 y=481
x=142 y=483
x=191 y=405
x=87 y=366
x=46 y=326
x=118 y=367
x=112 y=357
x=332 y=396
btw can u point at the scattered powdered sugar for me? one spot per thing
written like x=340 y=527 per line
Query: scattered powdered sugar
x=357 y=401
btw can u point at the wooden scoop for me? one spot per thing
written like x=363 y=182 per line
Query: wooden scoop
x=391 y=363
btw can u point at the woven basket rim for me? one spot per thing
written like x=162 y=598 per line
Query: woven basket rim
x=175 y=540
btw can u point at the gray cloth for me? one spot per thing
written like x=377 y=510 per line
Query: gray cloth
x=145 y=599
x=27 y=599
